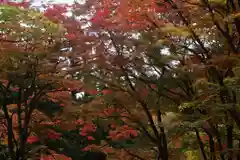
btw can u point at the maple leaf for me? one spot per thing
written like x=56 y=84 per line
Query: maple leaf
x=92 y=92
x=82 y=133
x=56 y=13
x=153 y=86
x=32 y=139
x=90 y=138
x=100 y=15
x=53 y=135
x=24 y=4
x=113 y=126
x=89 y=127
x=79 y=122
x=71 y=36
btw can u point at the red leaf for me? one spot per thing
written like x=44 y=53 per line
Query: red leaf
x=71 y=36
x=54 y=135
x=92 y=92
x=113 y=126
x=86 y=148
x=106 y=91
x=89 y=127
x=133 y=133
x=23 y=4
x=100 y=15
x=83 y=133
x=57 y=121
x=79 y=122
x=62 y=105
x=154 y=86
x=90 y=138
x=32 y=139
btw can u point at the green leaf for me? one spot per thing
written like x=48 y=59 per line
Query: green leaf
x=8 y=13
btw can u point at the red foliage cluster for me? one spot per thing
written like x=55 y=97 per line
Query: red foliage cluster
x=56 y=13
x=4 y=82
x=32 y=139
x=71 y=36
x=79 y=122
x=92 y=92
x=23 y=4
x=106 y=91
x=204 y=138
x=153 y=86
x=123 y=132
x=57 y=122
x=100 y=15
x=59 y=96
x=95 y=92
x=53 y=135
x=129 y=14
x=87 y=128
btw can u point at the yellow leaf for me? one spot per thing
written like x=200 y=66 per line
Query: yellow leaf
x=5 y=141
x=218 y=1
x=161 y=42
x=174 y=30
x=12 y=106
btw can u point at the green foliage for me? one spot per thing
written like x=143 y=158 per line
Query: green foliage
x=9 y=13
x=34 y=21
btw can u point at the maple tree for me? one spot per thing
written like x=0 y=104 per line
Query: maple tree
x=28 y=76
x=126 y=81
x=198 y=37
x=34 y=94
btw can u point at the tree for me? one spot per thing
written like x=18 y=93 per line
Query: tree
x=136 y=62
x=203 y=45
x=109 y=62
x=26 y=48
x=43 y=81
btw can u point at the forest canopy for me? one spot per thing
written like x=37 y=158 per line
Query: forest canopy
x=125 y=79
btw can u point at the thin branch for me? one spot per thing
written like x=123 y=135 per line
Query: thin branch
x=224 y=33
x=154 y=140
x=201 y=145
x=195 y=36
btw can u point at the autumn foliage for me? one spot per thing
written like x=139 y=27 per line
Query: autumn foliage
x=126 y=79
